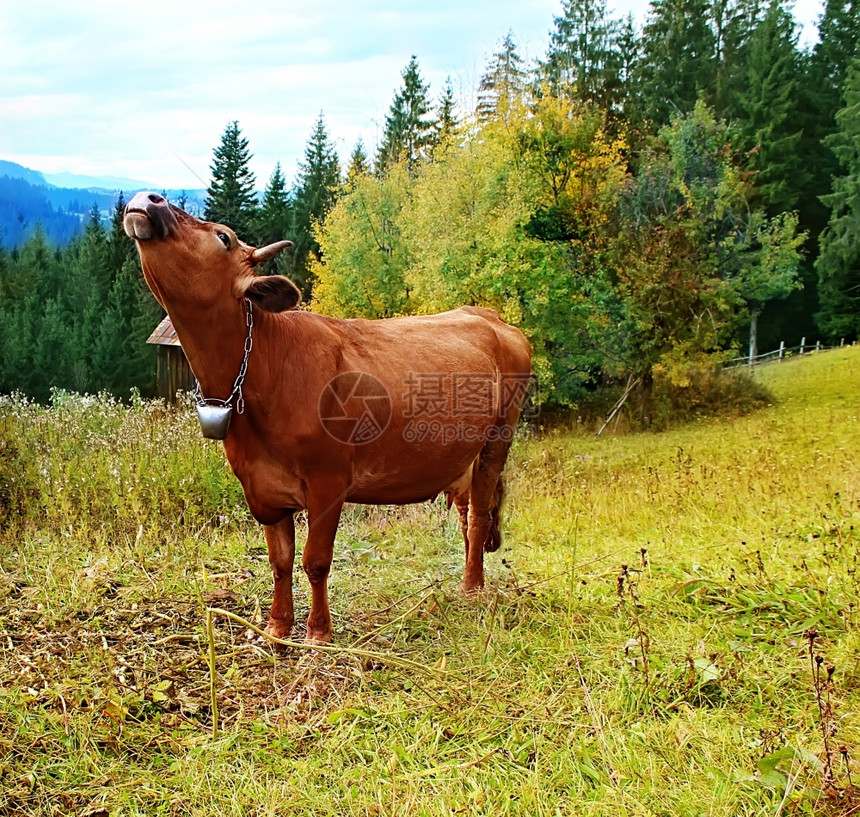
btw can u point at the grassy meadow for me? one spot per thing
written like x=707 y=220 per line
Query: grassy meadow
x=671 y=627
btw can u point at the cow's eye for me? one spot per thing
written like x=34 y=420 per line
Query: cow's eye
x=225 y=239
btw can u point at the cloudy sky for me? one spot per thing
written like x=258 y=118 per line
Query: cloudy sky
x=144 y=89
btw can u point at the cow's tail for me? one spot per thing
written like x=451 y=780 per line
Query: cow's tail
x=494 y=536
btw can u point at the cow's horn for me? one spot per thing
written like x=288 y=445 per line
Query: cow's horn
x=265 y=253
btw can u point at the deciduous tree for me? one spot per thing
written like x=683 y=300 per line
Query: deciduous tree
x=692 y=258
x=361 y=271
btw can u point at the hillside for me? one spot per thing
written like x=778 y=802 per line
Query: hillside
x=670 y=628
x=28 y=198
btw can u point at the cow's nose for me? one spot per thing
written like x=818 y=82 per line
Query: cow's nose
x=155 y=209
x=145 y=201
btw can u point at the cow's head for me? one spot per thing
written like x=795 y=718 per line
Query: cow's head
x=197 y=261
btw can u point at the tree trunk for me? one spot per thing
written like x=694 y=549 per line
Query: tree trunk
x=753 y=337
x=646 y=387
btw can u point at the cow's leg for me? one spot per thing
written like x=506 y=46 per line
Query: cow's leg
x=323 y=517
x=281 y=541
x=483 y=520
x=461 y=502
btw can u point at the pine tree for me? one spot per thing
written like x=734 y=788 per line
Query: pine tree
x=830 y=63
x=120 y=358
x=78 y=318
x=408 y=129
x=108 y=355
x=19 y=325
x=145 y=316
x=89 y=274
x=119 y=248
x=56 y=356
x=32 y=268
x=821 y=97
x=627 y=45
x=503 y=84
x=359 y=165
x=838 y=263
x=34 y=277
x=734 y=23
x=583 y=62
x=677 y=59
x=446 y=124
x=274 y=218
x=765 y=113
x=318 y=183
x=230 y=198
x=7 y=288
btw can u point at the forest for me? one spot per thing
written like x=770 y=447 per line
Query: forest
x=643 y=202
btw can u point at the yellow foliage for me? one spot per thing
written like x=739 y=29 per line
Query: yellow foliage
x=364 y=256
x=512 y=219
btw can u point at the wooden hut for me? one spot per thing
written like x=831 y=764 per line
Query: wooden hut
x=172 y=372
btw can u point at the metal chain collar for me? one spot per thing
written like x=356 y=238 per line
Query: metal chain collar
x=243 y=370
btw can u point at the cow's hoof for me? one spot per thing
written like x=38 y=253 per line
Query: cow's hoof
x=318 y=637
x=279 y=629
x=471 y=590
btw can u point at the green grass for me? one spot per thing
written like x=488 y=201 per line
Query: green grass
x=643 y=647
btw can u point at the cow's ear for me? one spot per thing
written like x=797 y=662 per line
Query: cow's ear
x=273 y=293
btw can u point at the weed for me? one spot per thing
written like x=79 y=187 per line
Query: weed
x=822 y=686
x=637 y=648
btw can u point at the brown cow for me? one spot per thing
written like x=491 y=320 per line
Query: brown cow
x=333 y=411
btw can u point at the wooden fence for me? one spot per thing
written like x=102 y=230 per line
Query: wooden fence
x=783 y=352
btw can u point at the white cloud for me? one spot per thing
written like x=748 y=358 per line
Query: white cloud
x=101 y=87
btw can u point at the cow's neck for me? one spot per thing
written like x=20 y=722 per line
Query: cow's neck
x=213 y=339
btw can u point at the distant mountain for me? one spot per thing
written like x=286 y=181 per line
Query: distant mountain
x=14 y=171
x=96 y=182
x=61 y=202
x=24 y=206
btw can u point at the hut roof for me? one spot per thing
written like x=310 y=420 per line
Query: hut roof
x=164 y=334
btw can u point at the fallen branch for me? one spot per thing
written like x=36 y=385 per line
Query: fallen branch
x=382 y=657
x=213 y=696
x=388 y=624
x=631 y=384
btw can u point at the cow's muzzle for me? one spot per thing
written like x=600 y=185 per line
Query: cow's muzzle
x=148 y=215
